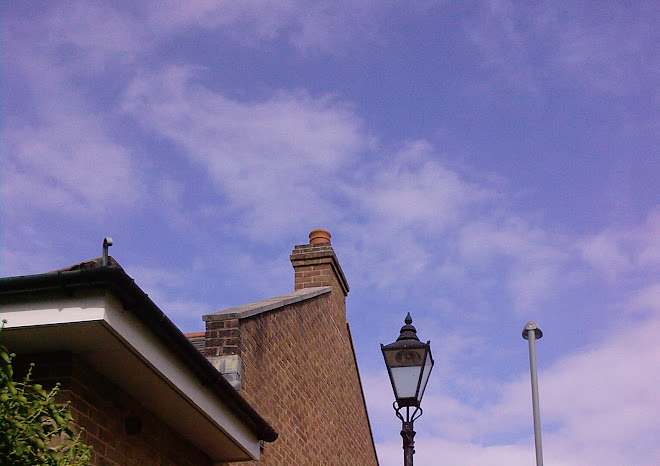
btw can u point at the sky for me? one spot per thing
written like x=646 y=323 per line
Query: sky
x=479 y=164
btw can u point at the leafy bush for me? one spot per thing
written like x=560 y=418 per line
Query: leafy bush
x=34 y=427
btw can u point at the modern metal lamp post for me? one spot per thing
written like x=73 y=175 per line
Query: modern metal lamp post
x=409 y=363
x=531 y=332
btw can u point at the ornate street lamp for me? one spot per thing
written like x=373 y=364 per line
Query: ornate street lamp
x=409 y=363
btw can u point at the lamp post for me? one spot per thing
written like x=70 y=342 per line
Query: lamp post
x=531 y=332
x=409 y=363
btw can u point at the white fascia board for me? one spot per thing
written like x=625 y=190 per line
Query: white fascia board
x=53 y=311
x=187 y=401
x=165 y=362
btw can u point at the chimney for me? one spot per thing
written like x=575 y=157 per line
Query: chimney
x=315 y=264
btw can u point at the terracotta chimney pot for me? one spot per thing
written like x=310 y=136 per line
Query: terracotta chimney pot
x=319 y=236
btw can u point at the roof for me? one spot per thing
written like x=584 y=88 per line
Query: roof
x=259 y=307
x=92 y=276
x=198 y=340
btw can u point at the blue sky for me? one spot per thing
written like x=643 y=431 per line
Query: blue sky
x=478 y=164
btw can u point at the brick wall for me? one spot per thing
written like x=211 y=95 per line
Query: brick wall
x=222 y=338
x=317 y=265
x=103 y=409
x=299 y=370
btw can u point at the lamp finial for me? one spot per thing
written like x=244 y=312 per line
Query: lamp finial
x=408 y=331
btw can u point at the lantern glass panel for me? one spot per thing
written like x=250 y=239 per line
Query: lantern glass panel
x=405 y=381
x=428 y=365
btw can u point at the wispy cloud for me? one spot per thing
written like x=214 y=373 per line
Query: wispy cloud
x=620 y=249
x=275 y=159
x=249 y=23
x=415 y=189
x=604 y=253
x=646 y=301
x=97 y=36
x=282 y=157
x=539 y=47
x=292 y=155
x=649 y=253
x=66 y=164
x=61 y=155
x=310 y=27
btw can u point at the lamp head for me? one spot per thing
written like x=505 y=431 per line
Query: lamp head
x=409 y=363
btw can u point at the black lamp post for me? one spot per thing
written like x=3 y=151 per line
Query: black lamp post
x=409 y=363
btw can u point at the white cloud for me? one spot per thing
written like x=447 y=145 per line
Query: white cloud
x=34 y=254
x=334 y=26
x=66 y=165
x=602 y=399
x=274 y=160
x=63 y=167
x=647 y=299
x=289 y=157
x=504 y=49
x=605 y=51
x=293 y=156
x=534 y=258
x=604 y=253
x=536 y=46
x=277 y=160
x=60 y=155
x=261 y=20
x=416 y=189
x=649 y=254
x=322 y=26
x=98 y=35
x=618 y=250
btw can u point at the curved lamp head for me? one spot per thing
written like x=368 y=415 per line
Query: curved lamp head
x=409 y=363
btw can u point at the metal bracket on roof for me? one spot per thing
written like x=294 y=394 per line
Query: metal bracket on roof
x=107 y=242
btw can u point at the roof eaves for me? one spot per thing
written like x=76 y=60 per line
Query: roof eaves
x=136 y=301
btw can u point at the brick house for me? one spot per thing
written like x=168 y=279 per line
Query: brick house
x=275 y=381
x=137 y=385
x=292 y=358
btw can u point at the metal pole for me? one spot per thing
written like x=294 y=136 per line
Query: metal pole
x=531 y=333
x=407 y=432
x=408 y=435
x=107 y=242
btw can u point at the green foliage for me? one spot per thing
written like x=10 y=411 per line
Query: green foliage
x=34 y=427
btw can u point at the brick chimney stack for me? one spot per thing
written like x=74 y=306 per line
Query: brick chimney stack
x=315 y=264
